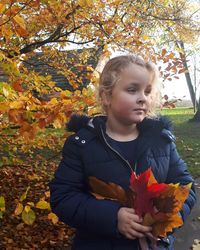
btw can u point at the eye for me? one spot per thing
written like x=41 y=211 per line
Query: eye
x=131 y=90
x=148 y=91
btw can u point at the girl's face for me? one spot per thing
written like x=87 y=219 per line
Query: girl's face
x=131 y=95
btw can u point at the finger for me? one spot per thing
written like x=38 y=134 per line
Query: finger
x=150 y=235
x=130 y=210
x=143 y=244
x=135 y=218
x=130 y=236
x=136 y=234
x=140 y=228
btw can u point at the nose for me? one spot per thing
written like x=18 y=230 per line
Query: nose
x=142 y=98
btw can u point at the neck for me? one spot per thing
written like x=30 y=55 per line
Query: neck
x=121 y=132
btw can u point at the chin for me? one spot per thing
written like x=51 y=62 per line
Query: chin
x=139 y=119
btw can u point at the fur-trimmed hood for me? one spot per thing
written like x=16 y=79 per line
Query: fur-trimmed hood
x=159 y=125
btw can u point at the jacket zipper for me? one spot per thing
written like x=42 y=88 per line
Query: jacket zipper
x=118 y=154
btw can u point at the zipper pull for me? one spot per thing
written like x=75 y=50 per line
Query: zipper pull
x=135 y=168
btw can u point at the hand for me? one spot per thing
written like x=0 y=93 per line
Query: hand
x=129 y=224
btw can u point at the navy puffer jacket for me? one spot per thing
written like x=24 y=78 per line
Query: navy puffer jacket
x=87 y=153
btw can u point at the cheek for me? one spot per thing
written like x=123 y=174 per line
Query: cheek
x=124 y=104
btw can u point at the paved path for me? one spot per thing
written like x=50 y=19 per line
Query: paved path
x=186 y=235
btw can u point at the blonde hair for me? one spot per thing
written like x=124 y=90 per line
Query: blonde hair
x=114 y=68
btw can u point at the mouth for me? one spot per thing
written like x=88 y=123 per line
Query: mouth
x=140 y=110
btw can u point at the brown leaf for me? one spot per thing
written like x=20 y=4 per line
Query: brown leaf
x=111 y=191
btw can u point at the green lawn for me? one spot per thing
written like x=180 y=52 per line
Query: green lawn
x=187 y=137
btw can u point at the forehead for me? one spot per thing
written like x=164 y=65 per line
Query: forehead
x=134 y=73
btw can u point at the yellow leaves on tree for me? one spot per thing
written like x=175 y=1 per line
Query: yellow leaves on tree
x=2 y=8
x=85 y=3
x=52 y=26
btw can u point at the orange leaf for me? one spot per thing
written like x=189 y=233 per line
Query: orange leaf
x=103 y=190
x=166 y=225
x=164 y=51
x=17 y=86
x=174 y=194
x=53 y=218
x=19 y=208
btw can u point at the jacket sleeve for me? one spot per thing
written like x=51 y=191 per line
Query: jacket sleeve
x=71 y=201
x=178 y=173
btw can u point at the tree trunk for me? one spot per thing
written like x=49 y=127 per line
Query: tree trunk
x=196 y=117
x=187 y=77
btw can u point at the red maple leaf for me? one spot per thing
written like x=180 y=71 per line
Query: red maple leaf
x=145 y=188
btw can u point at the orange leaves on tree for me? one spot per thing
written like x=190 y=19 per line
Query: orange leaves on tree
x=17 y=86
x=158 y=203
x=20 y=26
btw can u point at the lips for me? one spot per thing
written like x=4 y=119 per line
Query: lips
x=144 y=110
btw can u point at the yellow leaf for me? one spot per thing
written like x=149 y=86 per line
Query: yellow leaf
x=85 y=3
x=57 y=123
x=43 y=205
x=2 y=56
x=20 y=21
x=4 y=107
x=19 y=208
x=16 y=105
x=5 y=92
x=2 y=8
x=145 y=37
x=23 y=196
x=28 y=217
x=53 y=217
x=54 y=101
x=2 y=204
x=27 y=209
x=31 y=204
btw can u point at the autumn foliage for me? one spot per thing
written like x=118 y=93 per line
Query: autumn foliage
x=34 y=110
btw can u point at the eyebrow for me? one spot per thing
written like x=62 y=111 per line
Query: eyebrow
x=138 y=84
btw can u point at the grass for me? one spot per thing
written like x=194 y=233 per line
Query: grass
x=187 y=137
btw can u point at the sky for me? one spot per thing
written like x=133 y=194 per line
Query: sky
x=177 y=88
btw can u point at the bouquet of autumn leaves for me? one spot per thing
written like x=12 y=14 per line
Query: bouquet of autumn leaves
x=157 y=203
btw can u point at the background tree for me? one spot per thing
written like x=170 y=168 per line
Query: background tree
x=182 y=37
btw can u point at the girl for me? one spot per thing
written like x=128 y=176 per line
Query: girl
x=109 y=147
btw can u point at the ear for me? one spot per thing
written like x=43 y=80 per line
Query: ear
x=105 y=99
